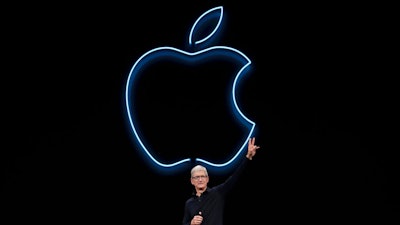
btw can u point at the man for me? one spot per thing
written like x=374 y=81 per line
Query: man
x=206 y=205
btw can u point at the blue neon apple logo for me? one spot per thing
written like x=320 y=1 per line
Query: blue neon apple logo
x=199 y=52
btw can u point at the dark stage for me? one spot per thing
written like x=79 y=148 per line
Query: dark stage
x=316 y=91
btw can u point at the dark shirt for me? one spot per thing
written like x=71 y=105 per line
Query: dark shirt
x=212 y=201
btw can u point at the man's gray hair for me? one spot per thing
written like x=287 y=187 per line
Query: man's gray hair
x=198 y=168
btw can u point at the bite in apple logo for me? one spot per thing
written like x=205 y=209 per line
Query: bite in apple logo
x=199 y=52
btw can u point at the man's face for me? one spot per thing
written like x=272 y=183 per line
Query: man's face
x=199 y=179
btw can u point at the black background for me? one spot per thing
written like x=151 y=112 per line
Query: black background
x=318 y=92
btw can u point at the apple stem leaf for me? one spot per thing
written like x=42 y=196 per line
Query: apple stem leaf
x=203 y=22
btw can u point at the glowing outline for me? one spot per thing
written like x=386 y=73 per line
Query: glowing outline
x=198 y=21
x=136 y=68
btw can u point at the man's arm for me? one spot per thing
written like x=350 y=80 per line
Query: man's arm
x=232 y=180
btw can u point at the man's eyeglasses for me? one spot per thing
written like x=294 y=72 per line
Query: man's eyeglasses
x=198 y=177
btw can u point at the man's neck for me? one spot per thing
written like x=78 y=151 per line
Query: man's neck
x=200 y=191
